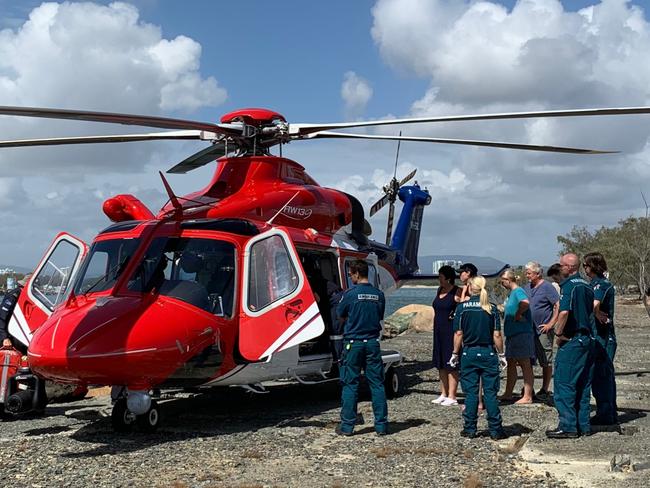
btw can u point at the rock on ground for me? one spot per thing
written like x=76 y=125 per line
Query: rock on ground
x=415 y=317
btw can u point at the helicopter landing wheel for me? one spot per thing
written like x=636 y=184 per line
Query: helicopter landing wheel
x=393 y=383
x=149 y=422
x=121 y=418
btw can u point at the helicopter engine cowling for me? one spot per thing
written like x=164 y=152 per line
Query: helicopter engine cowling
x=270 y=189
x=126 y=207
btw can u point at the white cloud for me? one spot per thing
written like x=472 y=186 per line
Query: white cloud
x=356 y=93
x=83 y=55
x=90 y=57
x=480 y=57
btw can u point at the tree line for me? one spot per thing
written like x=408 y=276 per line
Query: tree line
x=626 y=247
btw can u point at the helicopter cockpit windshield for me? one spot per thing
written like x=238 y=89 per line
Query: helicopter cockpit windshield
x=198 y=271
x=104 y=264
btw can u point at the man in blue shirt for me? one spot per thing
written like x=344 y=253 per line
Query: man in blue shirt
x=362 y=308
x=574 y=359
x=603 y=379
x=544 y=305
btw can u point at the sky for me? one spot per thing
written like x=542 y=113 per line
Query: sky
x=329 y=62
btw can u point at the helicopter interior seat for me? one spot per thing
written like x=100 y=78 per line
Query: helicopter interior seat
x=221 y=287
x=188 y=290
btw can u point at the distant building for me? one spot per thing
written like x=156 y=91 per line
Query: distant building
x=7 y=271
x=454 y=263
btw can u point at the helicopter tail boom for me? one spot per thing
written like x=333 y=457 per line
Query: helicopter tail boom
x=407 y=234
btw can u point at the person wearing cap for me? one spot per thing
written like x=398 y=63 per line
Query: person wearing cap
x=574 y=357
x=478 y=331
x=362 y=309
x=603 y=383
x=465 y=272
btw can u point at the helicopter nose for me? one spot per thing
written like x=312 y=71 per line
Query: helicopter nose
x=134 y=341
x=62 y=347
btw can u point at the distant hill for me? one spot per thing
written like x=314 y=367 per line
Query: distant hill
x=485 y=264
x=17 y=269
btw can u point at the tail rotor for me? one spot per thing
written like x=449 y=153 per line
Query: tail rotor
x=390 y=195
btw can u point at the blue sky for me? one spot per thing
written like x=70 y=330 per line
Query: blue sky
x=395 y=57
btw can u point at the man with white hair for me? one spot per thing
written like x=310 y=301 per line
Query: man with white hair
x=544 y=305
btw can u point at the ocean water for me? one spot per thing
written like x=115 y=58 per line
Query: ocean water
x=407 y=296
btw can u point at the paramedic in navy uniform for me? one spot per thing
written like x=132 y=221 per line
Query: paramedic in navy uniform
x=574 y=358
x=603 y=384
x=362 y=308
x=478 y=332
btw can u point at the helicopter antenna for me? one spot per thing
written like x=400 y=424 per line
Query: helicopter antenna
x=397 y=156
x=390 y=195
x=283 y=207
x=172 y=197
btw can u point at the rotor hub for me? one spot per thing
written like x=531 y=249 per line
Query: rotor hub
x=253 y=116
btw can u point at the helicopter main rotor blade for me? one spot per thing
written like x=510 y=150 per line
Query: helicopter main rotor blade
x=124 y=119
x=378 y=205
x=465 y=142
x=201 y=158
x=408 y=177
x=153 y=136
x=303 y=130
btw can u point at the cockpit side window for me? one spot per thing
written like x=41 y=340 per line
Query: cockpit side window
x=372 y=275
x=272 y=274
x=200 y=272
x=50 y=285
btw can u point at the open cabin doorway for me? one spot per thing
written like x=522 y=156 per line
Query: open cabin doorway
x=322 y=271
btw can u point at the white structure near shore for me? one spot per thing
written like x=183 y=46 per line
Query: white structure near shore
x=454 y=263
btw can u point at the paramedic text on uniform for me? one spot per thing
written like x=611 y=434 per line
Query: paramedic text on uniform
x=478 y=330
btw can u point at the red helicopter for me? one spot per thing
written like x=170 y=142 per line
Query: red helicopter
x=229 y=285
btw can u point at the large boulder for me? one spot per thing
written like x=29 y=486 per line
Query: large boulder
x=416 y=317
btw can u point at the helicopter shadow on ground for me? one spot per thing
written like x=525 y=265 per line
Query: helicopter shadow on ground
x=215 y=413
x=411 y=370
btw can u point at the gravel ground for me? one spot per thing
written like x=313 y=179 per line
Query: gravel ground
x=285 y=438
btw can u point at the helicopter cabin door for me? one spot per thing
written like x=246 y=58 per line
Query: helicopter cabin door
x=278 y=307
x=48 y=286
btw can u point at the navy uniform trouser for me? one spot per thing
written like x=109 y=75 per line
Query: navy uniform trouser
x=478 y=362
x=572 y=383
x=603 y=384
x=366 y=355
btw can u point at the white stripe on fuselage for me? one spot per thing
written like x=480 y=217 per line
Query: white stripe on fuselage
x=18 y=326
x=306 y=316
